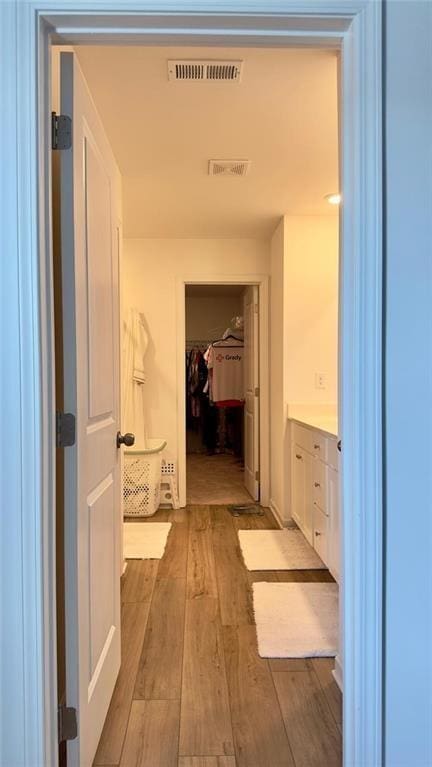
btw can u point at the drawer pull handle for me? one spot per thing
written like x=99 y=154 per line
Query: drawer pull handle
x=317 y=447
x=317 y=533
x=317 y=484
x=298 y=456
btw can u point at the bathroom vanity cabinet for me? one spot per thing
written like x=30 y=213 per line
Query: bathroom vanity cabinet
x=315 y=490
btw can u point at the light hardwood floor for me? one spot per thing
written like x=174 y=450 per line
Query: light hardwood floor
x=192 y=690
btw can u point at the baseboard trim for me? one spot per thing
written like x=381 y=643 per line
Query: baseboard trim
x=277 y=514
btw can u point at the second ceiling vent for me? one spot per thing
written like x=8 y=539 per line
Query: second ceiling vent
x=199 y=70
x=228 y=167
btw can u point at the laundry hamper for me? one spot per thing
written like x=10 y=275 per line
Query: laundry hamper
x=169 y=490
x=141 y=479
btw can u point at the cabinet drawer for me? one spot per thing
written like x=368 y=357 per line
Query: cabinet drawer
x=320 y=535
x=319 y=445
x=302 y=436
x=319 y=486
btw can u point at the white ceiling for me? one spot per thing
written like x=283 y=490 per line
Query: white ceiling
x=282 y=117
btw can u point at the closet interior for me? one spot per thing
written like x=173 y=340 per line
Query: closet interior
x=215 y=393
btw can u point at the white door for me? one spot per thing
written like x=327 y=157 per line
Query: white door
x=90 y=271
x=298 y=484
x=251 y=370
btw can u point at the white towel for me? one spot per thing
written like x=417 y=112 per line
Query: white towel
x=140 y=344
x=135 y=343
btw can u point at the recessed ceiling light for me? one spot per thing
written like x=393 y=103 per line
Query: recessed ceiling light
x=333 y=199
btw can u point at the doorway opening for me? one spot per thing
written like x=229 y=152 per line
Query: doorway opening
x=204 y=347
x=183 y=348
x=222 y=394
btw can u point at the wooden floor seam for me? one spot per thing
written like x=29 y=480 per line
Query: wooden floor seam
x=184 y=625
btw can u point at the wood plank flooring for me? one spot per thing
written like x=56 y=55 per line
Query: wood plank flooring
x=192 y=690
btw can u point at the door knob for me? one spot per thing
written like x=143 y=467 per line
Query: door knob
x=127 y=439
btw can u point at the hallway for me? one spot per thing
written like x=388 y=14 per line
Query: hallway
x=215 y=479
x=192 y=690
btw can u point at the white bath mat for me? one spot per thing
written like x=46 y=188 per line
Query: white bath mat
x=296 y=620
x=145 y=540
x=278 y=550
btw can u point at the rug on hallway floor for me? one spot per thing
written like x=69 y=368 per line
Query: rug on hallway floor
x=278 y=550
x=296 y=620
x=145 y=540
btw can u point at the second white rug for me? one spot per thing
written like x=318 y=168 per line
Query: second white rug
x=278 y=550
x=145 y=540
x=296 y=620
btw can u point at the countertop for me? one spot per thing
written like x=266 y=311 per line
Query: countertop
x=325 y=422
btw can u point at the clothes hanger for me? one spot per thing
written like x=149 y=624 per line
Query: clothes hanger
x=220 y=340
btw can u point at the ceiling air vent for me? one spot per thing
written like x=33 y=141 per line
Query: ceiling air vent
x=198 y=70
x=228 y=167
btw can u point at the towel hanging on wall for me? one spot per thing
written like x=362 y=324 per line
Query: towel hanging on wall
x=135 y=343
x=140 y=344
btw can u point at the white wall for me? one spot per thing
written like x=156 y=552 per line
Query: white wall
x=408 y=386
x=151 y=269
x=304 y=332
x=207 y=318
x=311 y=307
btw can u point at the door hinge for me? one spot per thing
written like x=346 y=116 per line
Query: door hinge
x=257 y=476
x=67 y=723
x=256 y=391
x=61 y=131
x=65 y=429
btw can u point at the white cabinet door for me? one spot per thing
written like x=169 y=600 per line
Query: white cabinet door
x=321 y=537
x=302 y=502
x=334 y=521
x=308 y=501
x=251 y=377
x=89 y=198
x=298 y=486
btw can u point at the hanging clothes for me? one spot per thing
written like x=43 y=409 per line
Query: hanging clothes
x=224 y=360
x=196 y=377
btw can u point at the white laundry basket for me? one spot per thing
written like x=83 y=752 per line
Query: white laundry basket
x=141 y=479
x=169 y=490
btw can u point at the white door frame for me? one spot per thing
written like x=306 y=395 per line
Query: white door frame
x=27 y=27
x=262 y=281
